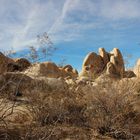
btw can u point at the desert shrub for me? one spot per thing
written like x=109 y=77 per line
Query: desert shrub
x=51 y=112
x=53 y=106
x=108 y=109
x=111 y=111
x=6 y=110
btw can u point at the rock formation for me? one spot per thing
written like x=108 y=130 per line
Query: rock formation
x=12 y=65
x=51 y=70
x=117 y=60
x=129 y=74
x=47 y=69
x=4 y=63
x=110 y=69
x=69 y=71
x=22 y=63
x=68 y=68
x=93 y=64
x=105 y=55
x=19 y=64
x=137 y=68
x=111 y=64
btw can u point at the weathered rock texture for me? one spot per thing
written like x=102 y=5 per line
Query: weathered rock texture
x=111 y=64
x=47 y=69
x=105 y=55
x=129 y=74
x=51 y=70
x=118 y=62
x=4 y=63
x=12 y=65
x=137 y=68
x=22 y=63
x=93 y=64
x=68 y=71
x=19 y=64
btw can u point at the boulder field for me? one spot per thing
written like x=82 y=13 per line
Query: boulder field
x=96 y=67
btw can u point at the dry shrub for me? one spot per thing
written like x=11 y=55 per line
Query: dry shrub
x=111 y=110
x=6 y=111
x=9 y=133
x=52 y=107
x=108 y=110
x=77 y=114
x=56 y=115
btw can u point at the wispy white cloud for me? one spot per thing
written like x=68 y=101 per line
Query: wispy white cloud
x=78 y=16
x=64 y=20
x=120 y=9
x=32 y=18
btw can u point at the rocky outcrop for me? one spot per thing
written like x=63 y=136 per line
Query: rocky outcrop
x=94 y=65
x=118 y=62
x=110 y=69
x=51 y=70
x=19 y=64
x=105 y=55
x=12 y=65
x=69 y=71
x=68 y=68
x=47 y=69
x=4 y=63
x=129 y=74
x=111 y=64
x=137 y=68
x=22 y=63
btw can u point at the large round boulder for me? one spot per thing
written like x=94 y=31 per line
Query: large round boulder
x=47 y=69
x=92 y=65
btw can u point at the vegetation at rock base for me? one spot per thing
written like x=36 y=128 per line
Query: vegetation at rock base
x=48 y=102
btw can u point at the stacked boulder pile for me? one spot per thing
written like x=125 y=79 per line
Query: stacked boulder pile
x=94 y=65
x=19 y=76
x=47 y=69
x=108 y=63
x=31 y=77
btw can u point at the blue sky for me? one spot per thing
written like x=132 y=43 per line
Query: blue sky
x=76 y=27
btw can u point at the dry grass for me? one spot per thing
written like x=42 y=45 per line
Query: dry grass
x=108 y=112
